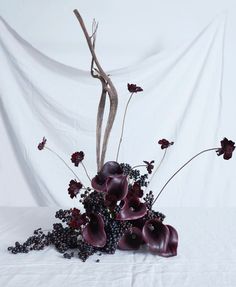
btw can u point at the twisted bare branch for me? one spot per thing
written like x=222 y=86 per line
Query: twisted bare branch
x=107 y=87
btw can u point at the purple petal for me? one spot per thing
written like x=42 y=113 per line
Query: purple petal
x=131 y=240
x=110 y=168
x=94 y=233
x=132 y=209
x=97 y=185
x=161 y=239
x=156 y=236
x=117 y=186
x=171 y=249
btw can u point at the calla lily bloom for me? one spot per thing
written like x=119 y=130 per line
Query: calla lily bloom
x=161 y=239
x=132 y=209
x=94 y=233
x=131 y=239
x=117 y=186
x=110 y=168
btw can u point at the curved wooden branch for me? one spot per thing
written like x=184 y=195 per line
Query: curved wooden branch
x=110 y=121
x=107 y=86
x=100 y=114
x=101 y=105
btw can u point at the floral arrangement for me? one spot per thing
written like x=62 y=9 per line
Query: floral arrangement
x=117 y=209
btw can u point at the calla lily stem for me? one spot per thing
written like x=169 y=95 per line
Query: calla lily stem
x=206 y=150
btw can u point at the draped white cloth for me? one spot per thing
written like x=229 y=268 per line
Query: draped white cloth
x=206 y=254
x=182 y=101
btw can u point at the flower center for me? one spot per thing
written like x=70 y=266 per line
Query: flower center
x=151 y=227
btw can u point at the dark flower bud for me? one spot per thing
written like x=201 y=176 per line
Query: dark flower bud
x=227 y=148
x=131 y=239
x=41 y=145
x=165 y=143
x=77 y=157
x=134 y=88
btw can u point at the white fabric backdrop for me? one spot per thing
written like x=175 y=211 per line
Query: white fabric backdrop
x=182 y=101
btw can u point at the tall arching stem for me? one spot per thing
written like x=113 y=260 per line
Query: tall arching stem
x=206 y=150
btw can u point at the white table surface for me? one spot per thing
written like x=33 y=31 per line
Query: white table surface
x=206 y=254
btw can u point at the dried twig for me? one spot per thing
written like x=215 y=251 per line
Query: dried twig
x=107 y=87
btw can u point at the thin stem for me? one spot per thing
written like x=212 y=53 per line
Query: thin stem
x=160 y=163
x=64 y=162
x=86 y=171
x=123 y=125
x=206 y=150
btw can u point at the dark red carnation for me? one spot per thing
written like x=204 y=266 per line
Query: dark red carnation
x=149 y=165
x=165 y=143
x=74 y=188
x=134 y=88
x=77 y=157
x=135 y=190
x=41 y=145
x=78 y=219
x=227 y=148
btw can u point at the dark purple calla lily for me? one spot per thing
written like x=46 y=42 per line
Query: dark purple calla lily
x=94 y=233
x=131 y=239
x=132 y=209
x=171 y=249
x=161 y=239
x=117 y=186
x=110 y=168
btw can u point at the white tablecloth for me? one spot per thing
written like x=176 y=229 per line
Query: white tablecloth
x=206 y=254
